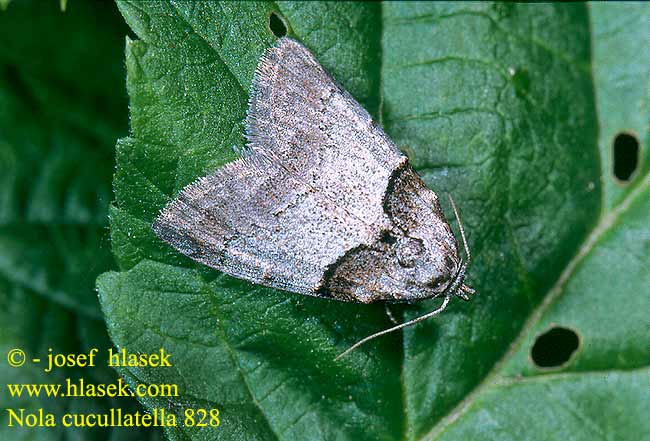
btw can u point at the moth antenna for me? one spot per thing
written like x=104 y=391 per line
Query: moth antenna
x=460 y=227
x=396 y=328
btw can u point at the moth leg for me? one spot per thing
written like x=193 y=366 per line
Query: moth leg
x=389 y=313
x=464 y=292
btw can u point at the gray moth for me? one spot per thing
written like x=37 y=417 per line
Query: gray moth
x=321 y=202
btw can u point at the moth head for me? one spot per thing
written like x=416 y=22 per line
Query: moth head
x=428 y=263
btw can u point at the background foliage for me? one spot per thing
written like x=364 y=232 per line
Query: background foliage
x=62 y=105
x=512 y=108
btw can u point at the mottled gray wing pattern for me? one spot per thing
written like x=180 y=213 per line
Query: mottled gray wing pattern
x=302 y=119
x=309 y=189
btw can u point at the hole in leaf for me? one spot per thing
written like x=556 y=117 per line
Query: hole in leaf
x=277 y=26
x=554 y=347
x=626 y=156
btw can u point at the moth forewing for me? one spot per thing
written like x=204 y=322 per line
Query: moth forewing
x=322 y=203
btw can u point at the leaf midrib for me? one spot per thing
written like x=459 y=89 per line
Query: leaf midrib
x=526 y=286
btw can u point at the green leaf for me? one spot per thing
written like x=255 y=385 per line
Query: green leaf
x=61 y=109
x=622 y=80
x=491 y=102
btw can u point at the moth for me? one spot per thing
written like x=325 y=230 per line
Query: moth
x=321 y=202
